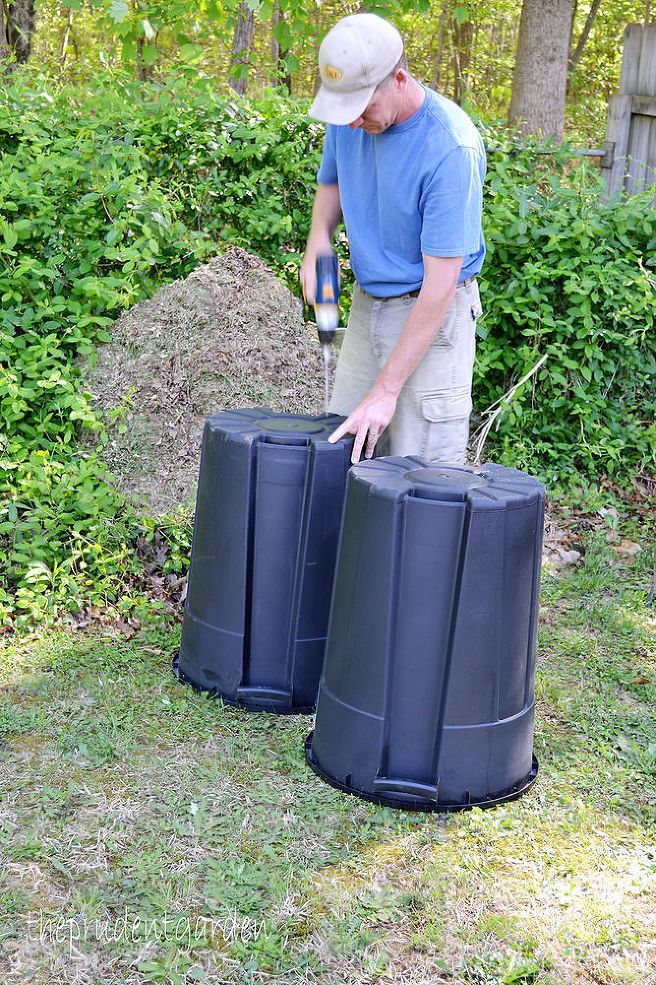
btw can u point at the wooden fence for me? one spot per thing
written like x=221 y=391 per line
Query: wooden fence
x=629 y=161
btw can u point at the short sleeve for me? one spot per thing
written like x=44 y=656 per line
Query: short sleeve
x=327 y=174
x=452 y=205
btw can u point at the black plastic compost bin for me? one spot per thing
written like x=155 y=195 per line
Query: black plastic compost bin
x=427 y=697
x=268 y=511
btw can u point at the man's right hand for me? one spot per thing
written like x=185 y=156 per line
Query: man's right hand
x=326 y=214
x=308 y=275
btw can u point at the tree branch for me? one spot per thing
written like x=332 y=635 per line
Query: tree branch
x=585 y=33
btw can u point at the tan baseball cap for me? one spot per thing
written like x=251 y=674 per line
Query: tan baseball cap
x=355 y=56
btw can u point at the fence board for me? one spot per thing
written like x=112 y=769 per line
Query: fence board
x=645 y=105
x=617 y=138
x=636 y=178
x=630 y=164
x=631 y=59
x=651 y=157
x=647 y=67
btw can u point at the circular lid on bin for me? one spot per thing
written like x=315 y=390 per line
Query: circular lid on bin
x=481 y=487
x=276 y=428
x=290 y=425
x=444 y=482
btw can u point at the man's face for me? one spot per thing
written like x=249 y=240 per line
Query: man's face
x=382 y=110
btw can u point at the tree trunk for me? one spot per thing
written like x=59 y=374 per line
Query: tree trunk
x=574 y=58
x=20 y=28
x=67 y=33
x=141 y=67
x=280 y=75
x=444 y=15
x=463 y=35
x=275 y=44
x=242 y=40
x=540 y=76
x=5 y=51
x=575 y=7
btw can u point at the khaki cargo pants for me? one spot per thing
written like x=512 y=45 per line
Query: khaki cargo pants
x=432 y=413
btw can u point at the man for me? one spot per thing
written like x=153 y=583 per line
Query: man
x=404 y=167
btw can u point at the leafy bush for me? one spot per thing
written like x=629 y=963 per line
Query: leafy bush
x=85 y=231
x=236 y=171
x=244 y=172
x=110 y=191
x=572 y=276
x=105 y=194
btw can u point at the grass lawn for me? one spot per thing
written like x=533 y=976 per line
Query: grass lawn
x=149 y=834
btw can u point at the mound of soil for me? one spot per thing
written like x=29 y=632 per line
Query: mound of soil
x=229 y=335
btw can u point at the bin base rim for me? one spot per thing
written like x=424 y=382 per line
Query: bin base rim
x=412 y=805
x=214 y=692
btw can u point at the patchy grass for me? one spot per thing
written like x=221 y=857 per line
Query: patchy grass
x=149 y=834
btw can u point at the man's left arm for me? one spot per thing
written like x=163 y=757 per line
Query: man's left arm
x=375 y=411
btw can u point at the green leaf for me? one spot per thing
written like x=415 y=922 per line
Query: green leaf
x=118 y=11
x=149 y=54
x=191 y=53
x=129 y=52
x=290 y=63
x=282 y=34
x=10 y=236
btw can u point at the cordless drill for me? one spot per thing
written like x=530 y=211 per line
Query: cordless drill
x=327 y=297
x=326 y=310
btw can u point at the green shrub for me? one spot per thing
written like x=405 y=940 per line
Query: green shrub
x=243 y=172
x=65 y=534
x=85 y=231
x=573 y=277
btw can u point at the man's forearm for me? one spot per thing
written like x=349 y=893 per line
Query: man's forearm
x=326 y=215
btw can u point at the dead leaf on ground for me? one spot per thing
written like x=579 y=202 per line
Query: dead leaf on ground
x=127 y=629
x=569 y=557
x=628 y=548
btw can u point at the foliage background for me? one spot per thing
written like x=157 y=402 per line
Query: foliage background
x=464 y=47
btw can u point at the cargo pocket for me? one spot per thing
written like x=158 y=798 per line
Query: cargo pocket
x=445 y=419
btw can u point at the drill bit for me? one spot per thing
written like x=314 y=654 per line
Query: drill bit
x=327 y=363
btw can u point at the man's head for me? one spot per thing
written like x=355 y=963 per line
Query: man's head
x=363 y=74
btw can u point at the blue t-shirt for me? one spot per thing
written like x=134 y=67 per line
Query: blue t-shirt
x=415 y=188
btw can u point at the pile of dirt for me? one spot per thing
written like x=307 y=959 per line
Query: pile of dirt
x=228 y=336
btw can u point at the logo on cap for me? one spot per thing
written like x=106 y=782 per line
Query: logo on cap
x=331 y=74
